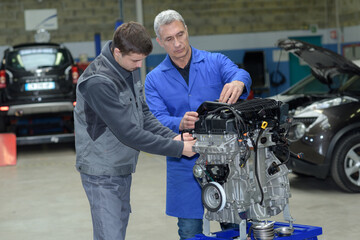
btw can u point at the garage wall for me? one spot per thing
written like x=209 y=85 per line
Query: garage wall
x=79 y=20
x=228 y=26
x=243 y=16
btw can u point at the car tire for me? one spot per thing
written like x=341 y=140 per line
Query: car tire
x=345 y=169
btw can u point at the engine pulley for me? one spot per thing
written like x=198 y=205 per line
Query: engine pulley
x=213 y=197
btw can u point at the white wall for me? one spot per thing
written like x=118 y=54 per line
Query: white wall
x=352 y=34
x=226 y=41
x=230 y=41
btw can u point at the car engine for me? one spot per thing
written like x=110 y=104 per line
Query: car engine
x=242 y=180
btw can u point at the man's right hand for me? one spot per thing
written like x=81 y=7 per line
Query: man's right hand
x=187 y=150
x=188 y=121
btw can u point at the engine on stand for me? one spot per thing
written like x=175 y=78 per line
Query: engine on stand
x=242 y=180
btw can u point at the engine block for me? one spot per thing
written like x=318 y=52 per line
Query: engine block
x=241 y=178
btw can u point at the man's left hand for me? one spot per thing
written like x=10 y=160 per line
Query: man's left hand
x=231 y=92
x=186 y=137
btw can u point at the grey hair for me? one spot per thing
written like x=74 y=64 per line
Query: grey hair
x=166 y=17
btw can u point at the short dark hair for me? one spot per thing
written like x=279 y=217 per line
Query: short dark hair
x=132 y=37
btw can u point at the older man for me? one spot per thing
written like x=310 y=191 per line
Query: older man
x=174 y=90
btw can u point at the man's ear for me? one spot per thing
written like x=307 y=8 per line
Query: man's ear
x=117 y=52
x=159 y=42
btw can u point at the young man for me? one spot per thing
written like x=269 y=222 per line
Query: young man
x=112 y=124
x=174 y=90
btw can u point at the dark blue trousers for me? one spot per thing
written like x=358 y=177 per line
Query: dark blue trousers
x=109 y=199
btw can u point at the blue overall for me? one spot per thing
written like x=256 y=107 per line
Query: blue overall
x=169 y=98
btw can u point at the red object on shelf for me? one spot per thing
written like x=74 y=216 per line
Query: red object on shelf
x=83 y=65
x=7 y=149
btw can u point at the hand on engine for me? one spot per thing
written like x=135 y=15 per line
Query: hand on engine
x=188 y=143
x=185 y=137
x=187 y=151
x=188 y=121
x=231 y=92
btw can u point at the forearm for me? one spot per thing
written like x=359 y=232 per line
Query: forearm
x=117 y=116
x=151 y=123
x=245 y=78
x=159 y=109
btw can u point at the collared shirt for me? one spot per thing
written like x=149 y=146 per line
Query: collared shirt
x=183 y=71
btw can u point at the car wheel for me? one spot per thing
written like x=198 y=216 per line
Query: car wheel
x=345 y=168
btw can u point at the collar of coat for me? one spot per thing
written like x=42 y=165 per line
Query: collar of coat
x=196 y=57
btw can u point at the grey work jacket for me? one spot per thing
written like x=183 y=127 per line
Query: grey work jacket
x=113 y=122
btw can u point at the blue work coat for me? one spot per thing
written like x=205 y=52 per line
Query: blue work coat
x=169 y=98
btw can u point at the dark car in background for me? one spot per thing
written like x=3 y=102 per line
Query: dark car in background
x=325 y=110
x=37 y=93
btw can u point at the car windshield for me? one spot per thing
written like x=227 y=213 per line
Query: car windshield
x=352 y=86
x=33 y=58
x=311 y=85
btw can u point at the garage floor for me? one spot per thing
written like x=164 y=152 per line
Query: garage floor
x=42 y=198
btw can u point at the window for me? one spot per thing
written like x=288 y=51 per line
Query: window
x=311 y=85
x=32 y=58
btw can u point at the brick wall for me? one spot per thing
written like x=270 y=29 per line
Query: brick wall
x=79 y=20
x=207 y=17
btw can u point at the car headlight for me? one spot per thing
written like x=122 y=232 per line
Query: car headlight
x=330 y=103
x=296 y=131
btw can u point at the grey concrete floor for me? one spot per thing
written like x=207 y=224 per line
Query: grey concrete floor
x=42 y=198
